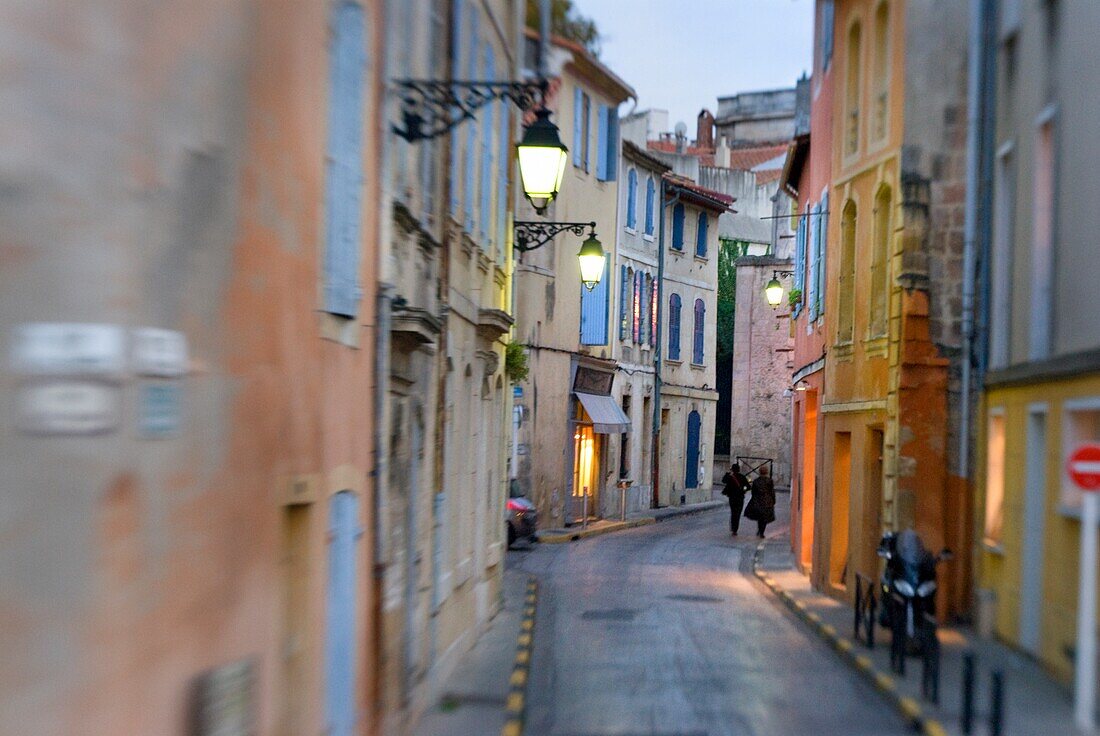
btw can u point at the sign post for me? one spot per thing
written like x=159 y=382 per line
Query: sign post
x=1084 y=469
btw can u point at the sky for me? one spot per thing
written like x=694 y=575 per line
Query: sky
x=681 y=55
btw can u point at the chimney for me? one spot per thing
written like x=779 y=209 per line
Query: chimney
x=722 y=153
x=704 y=129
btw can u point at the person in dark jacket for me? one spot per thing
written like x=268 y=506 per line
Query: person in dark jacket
x=761 y=508
x=735 y=486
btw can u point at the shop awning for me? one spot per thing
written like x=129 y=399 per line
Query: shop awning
x=606 y=415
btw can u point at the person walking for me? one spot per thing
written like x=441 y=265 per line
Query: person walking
x=735 y=484
x=761 y=508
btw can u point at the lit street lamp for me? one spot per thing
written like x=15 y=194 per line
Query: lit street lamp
x=535 y=234
x=774 y=290
x=542 y=158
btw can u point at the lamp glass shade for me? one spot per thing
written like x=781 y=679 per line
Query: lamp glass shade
x=774 y=292
x=592 y=260
x=542 y=159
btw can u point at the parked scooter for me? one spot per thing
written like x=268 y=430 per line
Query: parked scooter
x=910 y=573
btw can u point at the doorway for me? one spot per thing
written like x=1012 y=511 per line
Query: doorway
x=1031 y=574
x=691 y=463
x=296 y=597
x=808 y=483
x=871 y=511
x=340 y=640
x=586 y=472
x=842 y=478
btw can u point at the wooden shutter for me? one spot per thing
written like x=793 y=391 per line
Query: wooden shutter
x=578 y=117
x=798 y=280
x=624 y=302
x=344 y=174
x=594 y=311
x=701 y=236
x=678 y=227
x=650 y=192
x=612 y=143
x=601 y=143
x=632 y=199
x=674 y=327
x=485 y=208
x=700 y=319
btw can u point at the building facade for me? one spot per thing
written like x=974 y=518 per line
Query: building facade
x=445 y=286
x=188 y=309
x=688 y=295
x=568 y=439
x=636 y=328
x=894 y=246
x=807 y=176
x=1042 y=389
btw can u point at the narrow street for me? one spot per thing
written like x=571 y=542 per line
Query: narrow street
x=662 y=630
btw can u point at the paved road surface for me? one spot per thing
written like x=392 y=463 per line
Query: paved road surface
x=663 y=631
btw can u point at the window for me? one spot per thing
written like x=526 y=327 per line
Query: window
x=344 y=175
x=678 y=226
x=626 y=278
x=650 y=195
x=624 y=442
x=822 y=239
x=1042 y=237
x=674 y=327
x=799 y=280
x=701 y=236
x=1004 y=235
x=582 y=109
x=697 y=342
x=632 y=199
x=827 y=15
x=637 y=308
x=995 y=479
x=882 y=71
x=846 y=281
x=607 y=143
x=594 y=311
x=647 y=303
x=852 y=91
x=880 y=263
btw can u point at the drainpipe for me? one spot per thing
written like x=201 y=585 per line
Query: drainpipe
x=980 y=102
x=656 y=452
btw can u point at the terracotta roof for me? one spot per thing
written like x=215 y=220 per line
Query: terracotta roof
x=717 y=200
x=766 y=177
x=750 y=157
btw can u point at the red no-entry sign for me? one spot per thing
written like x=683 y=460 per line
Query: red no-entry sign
x=1083 y=467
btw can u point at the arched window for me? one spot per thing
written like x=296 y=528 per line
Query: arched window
x=650 y=196
x=701 y=236
x=852 y=90
x=880 y=262
x=846 y=282
x=697 y=334
x=678 y=226
x=691 y=457
x=674 y=327
x=632 y=199
x=882 y=71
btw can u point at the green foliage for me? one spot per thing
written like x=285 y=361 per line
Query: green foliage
x=728 y=251
x=794 y=297
x=566 y=22
x=515 y=362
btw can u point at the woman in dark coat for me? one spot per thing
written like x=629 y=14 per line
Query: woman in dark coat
x=762 y=506
x=735 y=486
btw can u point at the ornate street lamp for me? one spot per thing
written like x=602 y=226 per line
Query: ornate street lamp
x=542 y=158
x=774 y=290
x=530 y=235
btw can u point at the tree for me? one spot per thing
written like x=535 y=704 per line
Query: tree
x=728 y=252
x=566 y=22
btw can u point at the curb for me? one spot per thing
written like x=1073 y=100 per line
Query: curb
x=515 y=706
x=907 y=707
x=586 y=533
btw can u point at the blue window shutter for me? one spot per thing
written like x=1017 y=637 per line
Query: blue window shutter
x=674 y=327
x=503 y=163
x=826 y=33
x=701 y=236
x=578 y=117
x=586 y=133
x=811 y=247
x=632 y=199
x=488 y=126
x=471 y=131
x=601 y=143
x=345 y=161
x=691 y=457
x=678 y=227
x=822 y=237
x=612 y=143
x=798 y=280
x=624 y=302
x=456 y=149
x=697 y=342
x=650 y=193
x=594 y=311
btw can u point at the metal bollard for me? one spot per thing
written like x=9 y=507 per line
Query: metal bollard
x=997 y=704
x=584 y=509
x=622 y=502
x=966 y=719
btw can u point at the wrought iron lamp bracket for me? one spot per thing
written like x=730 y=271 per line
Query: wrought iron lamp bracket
x=535 y=234
x=430 y=108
